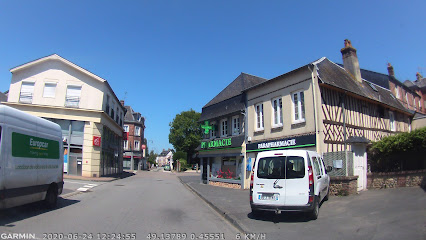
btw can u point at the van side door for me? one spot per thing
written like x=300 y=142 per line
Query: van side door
x=318 y=176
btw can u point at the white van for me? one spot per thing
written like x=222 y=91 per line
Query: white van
x=288 y=180
x=31 y=159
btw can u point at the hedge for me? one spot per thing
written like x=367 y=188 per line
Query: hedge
x=404 y=151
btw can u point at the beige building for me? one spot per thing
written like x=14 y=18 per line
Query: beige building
x=82 y=103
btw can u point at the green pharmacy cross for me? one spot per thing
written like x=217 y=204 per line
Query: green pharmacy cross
x=206 y=127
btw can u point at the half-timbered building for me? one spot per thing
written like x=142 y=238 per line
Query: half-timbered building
x=325 y=107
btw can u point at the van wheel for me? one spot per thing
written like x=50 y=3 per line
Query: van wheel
x=51 y=199
x=315 y=212
x=256 y=213
x=328 y=193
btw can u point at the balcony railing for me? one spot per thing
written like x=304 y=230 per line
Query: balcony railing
x=26 y=97
x=72 y=102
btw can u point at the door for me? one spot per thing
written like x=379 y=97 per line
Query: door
x=297 y=181
x=360 y=165
x=269 y=181
x=319 y=177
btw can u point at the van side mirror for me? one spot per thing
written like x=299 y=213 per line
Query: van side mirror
x=329 y=168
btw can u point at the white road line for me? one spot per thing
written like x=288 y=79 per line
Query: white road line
x=82 y=189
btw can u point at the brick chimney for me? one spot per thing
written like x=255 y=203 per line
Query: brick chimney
x=122 y=102
x=419 y=77
x=350 y=60
x=390 y=70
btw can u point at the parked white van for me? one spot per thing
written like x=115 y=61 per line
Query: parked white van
x=288 y=180
x=31 y=159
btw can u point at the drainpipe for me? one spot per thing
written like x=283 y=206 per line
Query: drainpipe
x=243 y=169
x=317 y=137
x=344 y=132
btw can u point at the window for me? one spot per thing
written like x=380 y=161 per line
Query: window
x=235 y=125
x=112 y=111
x=414 y=102
x=126 y=128
x=137 y=131
x=259 y=117
x=107 y=105
x=125 y=144
x=213 y=130
x=290 y=167
x=397 y=92
x=224 y=128
x=298 y=99
x=73 y=96
x=49 y=90
x=136 y=146
x=27 y=90
x=277 y=118
x=406 y=98
x=392 y=121
x=116 y=116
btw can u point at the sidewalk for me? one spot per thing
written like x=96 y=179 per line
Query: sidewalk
x=232 y=204
x=111 y=178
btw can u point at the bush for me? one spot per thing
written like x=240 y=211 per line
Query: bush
x=399 y=152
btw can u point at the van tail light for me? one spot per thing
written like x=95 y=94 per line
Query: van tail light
x=251 y=186
x=311 y=184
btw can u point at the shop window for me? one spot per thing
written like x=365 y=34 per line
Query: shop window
x=225 y=168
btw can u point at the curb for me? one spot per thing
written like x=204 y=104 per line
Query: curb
x=70 y=194
x=229 y=217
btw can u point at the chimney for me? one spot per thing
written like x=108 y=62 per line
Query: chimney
x=390 y=70
x=418 y=77
x=122 y=102
x=350 y=60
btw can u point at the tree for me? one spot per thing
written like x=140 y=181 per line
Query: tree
x=152 y=156
x=185 y=132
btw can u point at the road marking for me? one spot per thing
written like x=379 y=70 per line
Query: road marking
x=85 y=188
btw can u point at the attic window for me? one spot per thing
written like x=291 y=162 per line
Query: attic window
x=372 y=86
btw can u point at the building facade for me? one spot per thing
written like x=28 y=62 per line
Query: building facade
x=134 y=140
x=165 y=158
x=82 y=103
x=222 y=119
x=333 y=109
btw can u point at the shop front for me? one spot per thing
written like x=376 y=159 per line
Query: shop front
x=305 y=142
x=221 y=160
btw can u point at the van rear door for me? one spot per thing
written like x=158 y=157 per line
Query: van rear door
x=297 y=181
x=268 y=188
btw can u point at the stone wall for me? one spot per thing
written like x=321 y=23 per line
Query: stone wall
x=343 y=186
x=224 y=184
x=395 y=179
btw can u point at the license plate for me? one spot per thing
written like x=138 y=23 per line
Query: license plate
x=268 y=196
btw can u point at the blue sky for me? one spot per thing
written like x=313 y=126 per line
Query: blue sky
x=165 y=57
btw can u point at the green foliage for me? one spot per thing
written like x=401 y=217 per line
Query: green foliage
x=152 y=156
x=399 y=152
x=180 y=155
x=185 y=132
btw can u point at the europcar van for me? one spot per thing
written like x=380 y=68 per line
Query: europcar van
x=288 y=180
x=31 y=159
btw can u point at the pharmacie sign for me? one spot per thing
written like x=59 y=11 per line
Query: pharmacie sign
x=34 y=147
x=219 y=143
x=287 y=143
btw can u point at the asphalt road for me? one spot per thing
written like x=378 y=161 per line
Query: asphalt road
x=149 y=204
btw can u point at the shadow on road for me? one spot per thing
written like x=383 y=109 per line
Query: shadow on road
x=11 y=215
x=289 y=217
x=125 y=174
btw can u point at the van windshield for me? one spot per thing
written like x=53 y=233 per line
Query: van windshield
x=281 y=167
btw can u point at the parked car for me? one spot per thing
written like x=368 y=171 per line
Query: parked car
x=289 y=180
x=167 y=168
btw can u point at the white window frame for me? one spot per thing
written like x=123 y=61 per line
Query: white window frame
x=406 y=98
x=299 y=106
x=73 y=103
x=397 y=92
x=137 y=131
x=277 y=114
x=136 y=145
x=27 y=98
x=223 y=129
x=392 y=121
x=126 y=128
x=125 y=144
x=213 y=131
x=51 y=84
x=235 y=125
x=259 y=117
